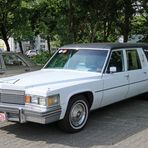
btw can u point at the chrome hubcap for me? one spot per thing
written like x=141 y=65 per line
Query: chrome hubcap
x=78 y=115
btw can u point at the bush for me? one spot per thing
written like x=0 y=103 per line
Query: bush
x=41 y=58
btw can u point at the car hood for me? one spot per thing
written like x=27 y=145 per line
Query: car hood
x=49 y=77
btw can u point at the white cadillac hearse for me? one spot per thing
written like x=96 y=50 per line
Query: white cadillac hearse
x=77 y=79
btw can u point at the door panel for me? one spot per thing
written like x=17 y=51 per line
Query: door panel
x=136 y=71
x=137 y=82
x=115 y=87
x=115 y=84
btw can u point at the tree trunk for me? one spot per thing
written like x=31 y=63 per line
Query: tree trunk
x=128 y=15
x=48 y=43
x=4 y=36
x=104 y=31
x=21 y=47
x=6 y=43
x=71 y=22
x=126 y=29
x=32 y=43
x=109 y=28
x=93 y=34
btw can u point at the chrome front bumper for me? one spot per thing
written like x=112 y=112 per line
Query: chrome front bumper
x=22 y=114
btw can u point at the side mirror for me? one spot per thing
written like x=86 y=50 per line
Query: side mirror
x=113 y=69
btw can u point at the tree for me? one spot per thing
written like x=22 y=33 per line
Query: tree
x=72 y=21
x=23 y=30
x=143 y=21
x=9 y=11
x=44 y=18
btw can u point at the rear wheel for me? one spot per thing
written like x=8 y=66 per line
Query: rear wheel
x=76 y=115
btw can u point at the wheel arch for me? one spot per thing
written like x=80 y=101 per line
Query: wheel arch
x=88 y=95
x=86 y=98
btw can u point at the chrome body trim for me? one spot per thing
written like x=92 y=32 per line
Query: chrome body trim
x=22 y=113
x=12 y=96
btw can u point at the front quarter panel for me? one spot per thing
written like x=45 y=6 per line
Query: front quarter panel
x=68 y=90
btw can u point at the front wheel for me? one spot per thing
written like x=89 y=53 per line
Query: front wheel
x=76 y=115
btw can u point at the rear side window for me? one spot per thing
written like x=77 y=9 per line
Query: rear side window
x=133 y=61
x=146 y=52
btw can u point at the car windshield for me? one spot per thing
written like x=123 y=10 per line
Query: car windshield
x=83 y=60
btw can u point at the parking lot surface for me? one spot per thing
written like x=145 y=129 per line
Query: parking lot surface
x=121 y=125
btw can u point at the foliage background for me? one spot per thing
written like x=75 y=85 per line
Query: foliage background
x=72 y=21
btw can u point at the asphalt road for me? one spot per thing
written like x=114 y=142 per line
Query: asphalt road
x=121 y=125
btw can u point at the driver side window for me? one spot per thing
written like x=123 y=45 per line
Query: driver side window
x=117 y=61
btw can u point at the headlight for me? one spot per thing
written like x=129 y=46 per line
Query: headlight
x=44 y=101
x=34 y=100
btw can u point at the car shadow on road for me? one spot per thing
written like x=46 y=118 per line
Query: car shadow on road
x=106 y=126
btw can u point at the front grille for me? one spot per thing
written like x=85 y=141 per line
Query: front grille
x=12 y=96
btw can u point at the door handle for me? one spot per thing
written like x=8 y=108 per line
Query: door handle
x=145 y=72
x=127 y=75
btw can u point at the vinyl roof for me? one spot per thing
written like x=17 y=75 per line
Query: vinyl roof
x=104 y=45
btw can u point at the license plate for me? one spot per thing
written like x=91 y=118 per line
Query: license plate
x=2 y=117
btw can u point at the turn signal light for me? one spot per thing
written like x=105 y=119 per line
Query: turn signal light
x=27 y=99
